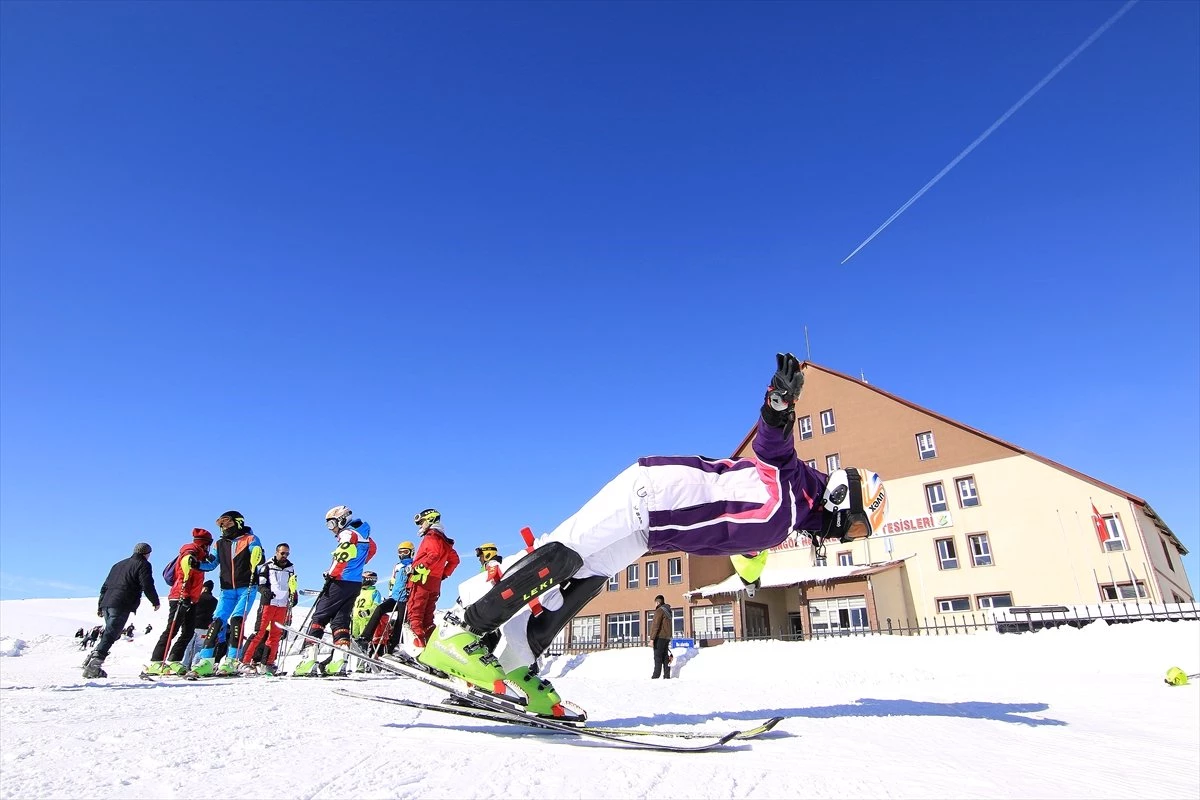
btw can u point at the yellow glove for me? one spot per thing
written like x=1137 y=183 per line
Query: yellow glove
x=420 y=574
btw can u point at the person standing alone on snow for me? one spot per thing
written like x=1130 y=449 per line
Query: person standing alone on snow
x=354 y=549
x=660 y=635
x=738 y=507
x=120 y=596
x=193 y=561
x=434 y=562
x=276 y=581
x=239 y=552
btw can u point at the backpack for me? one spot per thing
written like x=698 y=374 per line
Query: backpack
x=169 y=571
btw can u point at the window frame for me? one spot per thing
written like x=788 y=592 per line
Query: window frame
x=1140 y=591
x=926 y=454
x=987 y=542
x=1116 y=531
x=940 y=485
x=938 y=601
x=806 y=428
x=829 y=428
x=652 y=580
x=620 y=619
x=578 y=624
x=674 y=577
x=962 y=502
x=833 y=462
x=614 y=583
x=848 y=556
x=990 y=597
x=633 y=576
x=943 y=559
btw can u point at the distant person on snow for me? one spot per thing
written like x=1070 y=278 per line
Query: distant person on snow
x=79 y=634
x=195 y=558
x=354 y=549
x=120 y=596
x=148 y=629
x=239 y=553
x=276 y=581
x=661 y=628
x=701 y=506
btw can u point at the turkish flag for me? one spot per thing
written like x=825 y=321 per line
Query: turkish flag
x=1098 y=522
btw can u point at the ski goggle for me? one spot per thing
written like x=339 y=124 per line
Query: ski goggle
x=480 y=552
x=332 y=524
x=404 y=552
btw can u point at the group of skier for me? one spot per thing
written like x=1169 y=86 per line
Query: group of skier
x=505 y=617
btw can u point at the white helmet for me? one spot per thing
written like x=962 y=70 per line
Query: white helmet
x=338 y=517
x=855 y=504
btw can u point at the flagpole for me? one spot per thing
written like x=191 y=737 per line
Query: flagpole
x=1129 y=569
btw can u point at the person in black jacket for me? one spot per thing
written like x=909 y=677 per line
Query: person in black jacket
x=120 y=596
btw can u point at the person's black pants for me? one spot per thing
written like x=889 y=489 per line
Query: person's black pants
x=662 y=652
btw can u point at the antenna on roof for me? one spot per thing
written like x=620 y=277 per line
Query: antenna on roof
x=807 y=349
x=862 y=375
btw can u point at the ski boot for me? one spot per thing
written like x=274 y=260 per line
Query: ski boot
x=154 y=668
x=457 y=651
x=336 y=668
x=308 y=668
x=204 y=668
x=249 y=669
x=540 y=697
x=270 y=670
x=175 y=668
x=228 y=668
x=93 y=668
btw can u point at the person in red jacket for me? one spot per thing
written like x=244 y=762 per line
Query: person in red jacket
x=434 y=562
x=193 y=561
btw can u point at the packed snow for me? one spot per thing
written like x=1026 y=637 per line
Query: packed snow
x=1069 y=713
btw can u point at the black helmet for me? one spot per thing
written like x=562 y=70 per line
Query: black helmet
x=369 y=578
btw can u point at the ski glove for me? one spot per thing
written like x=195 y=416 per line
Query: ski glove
x=778 y=408
x=420 y=574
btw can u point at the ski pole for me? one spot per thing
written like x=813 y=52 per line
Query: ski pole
x=291 y=648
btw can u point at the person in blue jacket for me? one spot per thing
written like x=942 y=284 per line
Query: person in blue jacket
x=378 y=640
x=239 y=552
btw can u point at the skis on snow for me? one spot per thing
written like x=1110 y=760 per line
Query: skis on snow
x=474 y=712
x=506 y=711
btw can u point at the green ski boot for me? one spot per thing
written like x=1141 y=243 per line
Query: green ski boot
x=154 y=668
x=455 y=650
x=228 y=668
x=541 y=699
x=204 y=668
x=336 y=668
x=174 y=668
x=309 y=668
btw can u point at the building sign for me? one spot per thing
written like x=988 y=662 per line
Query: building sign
x=925 y=522
x=793 y=541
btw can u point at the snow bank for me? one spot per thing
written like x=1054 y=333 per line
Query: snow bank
x=11 y=646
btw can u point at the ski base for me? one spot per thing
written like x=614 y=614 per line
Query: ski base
x=506 y=712
x=486 y=715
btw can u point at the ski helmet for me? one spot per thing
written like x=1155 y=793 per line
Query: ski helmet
x=426 y=518
x=486 y=551
x=369 y=578
x=405 y=546
x=337 y=517
x=233 y=516
x=856 y=503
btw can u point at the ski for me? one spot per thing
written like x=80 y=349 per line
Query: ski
x=484 y=714
x=514 y=713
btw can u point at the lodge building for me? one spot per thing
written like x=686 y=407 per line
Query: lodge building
x=975 y=524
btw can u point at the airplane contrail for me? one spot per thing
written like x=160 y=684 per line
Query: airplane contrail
x=1004 y=117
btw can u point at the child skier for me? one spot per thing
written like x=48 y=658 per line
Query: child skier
x=699 y=505
x=434 y=562
x=276 y=581
x=382 y=633
x=354 y=549
x=365 y=604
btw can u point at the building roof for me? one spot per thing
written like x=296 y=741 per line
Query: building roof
x=775 y=575
x=1158 y=522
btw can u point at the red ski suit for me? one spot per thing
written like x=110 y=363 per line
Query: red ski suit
x=435 y=554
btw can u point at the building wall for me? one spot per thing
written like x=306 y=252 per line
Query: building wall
x=1164 y=558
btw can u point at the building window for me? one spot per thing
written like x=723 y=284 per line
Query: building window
x=845 y=559
x=985 y=601
x=1122 y=591
x=949 y=604
x=967 y=495
x=820 y=561
x=827 y=424
x=947 y=553
x=674 y=570
x=1178 y=599
x=712 y=622
x=651 y=574
x=812 y=462
x=833 y=462
x=631 y=576
x=614 y=582
x=585 y=630
x=1116 y=534
x=624 y=627
x=676 y=621
x=806 y=427
x=926 y=449
x=981 y=550
x=1167 y=554
x=935 y=497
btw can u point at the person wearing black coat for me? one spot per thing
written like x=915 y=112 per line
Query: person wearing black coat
x=120 y=596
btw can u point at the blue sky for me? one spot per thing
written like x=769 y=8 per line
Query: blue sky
x=277 y=257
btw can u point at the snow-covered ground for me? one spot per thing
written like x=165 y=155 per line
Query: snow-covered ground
x=1061 y=713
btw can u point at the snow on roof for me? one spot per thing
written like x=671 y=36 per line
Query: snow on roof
x=782 y=573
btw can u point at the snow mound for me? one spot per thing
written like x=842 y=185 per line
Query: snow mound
x=11 y=646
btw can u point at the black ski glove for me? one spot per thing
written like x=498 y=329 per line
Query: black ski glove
x=779 y=405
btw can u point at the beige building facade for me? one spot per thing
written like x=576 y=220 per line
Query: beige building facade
x=975 y=525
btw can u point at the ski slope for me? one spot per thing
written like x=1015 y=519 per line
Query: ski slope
x=1063 y=713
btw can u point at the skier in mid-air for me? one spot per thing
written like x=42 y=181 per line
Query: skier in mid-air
x=739 y=507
